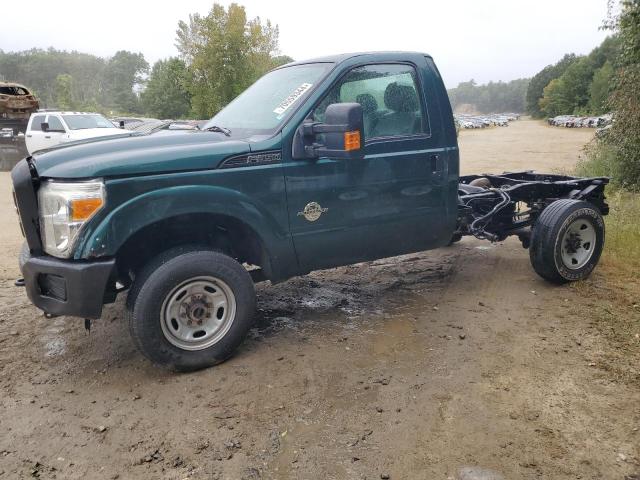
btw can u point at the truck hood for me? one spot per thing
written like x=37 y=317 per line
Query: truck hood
x=136 y=154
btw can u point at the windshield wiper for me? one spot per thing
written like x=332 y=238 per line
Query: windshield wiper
x=215 y=128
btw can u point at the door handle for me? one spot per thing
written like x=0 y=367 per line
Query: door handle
x=47 y=136
x=435 y=163
x=29 y=136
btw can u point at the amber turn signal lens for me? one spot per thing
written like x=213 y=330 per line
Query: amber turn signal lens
x=352 y=140
x=83 y=208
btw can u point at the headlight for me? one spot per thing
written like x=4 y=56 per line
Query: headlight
x=64 y=208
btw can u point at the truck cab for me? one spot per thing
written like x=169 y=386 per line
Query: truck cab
x=49 y=129
x=320 y=163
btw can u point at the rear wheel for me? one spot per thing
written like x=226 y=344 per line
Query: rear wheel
x=190 y=309
x=567 y=241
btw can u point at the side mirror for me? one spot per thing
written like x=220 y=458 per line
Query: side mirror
x=44 y=126
x=342 y=134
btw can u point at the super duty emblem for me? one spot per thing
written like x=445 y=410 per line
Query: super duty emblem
x=312 y=211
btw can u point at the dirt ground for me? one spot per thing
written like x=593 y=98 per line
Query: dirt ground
x=407 y=368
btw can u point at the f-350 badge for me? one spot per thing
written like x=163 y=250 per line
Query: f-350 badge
x=312 y=211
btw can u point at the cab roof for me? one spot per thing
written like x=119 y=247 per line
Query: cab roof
x=60 y=112
x=339 y=58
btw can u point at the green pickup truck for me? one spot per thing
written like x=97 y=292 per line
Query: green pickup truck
x=320 y=163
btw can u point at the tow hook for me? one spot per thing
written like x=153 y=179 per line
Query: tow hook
x=19 y=282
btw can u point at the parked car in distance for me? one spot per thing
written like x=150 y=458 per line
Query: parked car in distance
x=48 y=129
x=6 y=133
x=16 y=105
x=488 y=120
x=571 y=121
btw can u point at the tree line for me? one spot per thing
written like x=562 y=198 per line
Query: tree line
x=493 y=97
x=73 y=80
x=576 y=84
x=617 y=153
x=221 y=54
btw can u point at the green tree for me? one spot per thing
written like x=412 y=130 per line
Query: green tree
x=123 y=72
x=64 y=89
x=600 y=89
x=166 y=95
x=555 y=98
x=539 y=81
x=576 y=81
x=624 y=136
x=224 y=52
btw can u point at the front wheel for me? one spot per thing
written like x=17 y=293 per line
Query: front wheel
x=567 y=241
x=190 y=309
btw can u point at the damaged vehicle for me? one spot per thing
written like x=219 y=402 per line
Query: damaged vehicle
x=16 y=105
x=319 y=164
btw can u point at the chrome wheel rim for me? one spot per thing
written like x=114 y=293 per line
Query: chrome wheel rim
x=578 y=244
x=198 y=313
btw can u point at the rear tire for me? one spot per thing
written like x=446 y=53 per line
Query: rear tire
x=190 y=309
x=567 y=241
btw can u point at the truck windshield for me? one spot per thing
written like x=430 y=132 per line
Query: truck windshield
x=261 y=108
x=82 y=122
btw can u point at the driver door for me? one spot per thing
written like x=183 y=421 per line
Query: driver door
x=34 y=139
x=55 y=135
x=346 y=211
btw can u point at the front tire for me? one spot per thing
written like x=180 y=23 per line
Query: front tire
x=190 y=309
x=567 y=241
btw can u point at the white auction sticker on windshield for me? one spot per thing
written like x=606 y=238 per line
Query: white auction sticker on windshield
x=291 y=99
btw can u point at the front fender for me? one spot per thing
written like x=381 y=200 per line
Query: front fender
x=105 y=235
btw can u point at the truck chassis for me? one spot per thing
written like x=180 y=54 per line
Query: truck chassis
x=493 y=207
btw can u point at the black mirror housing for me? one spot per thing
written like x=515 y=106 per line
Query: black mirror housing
x=343 y=134
x=44 y=126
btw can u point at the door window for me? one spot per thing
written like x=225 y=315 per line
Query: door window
x=36 y=123
x=389 y=97
x=55 y=124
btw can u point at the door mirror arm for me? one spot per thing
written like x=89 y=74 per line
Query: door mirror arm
x=313 y=128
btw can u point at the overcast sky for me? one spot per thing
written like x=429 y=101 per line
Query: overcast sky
x=480 y=39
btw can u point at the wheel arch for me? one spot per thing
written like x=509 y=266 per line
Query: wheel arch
x=213 y=216
x=213 y=231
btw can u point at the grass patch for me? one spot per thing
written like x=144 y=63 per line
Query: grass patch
x=599 y=160
x=622 y=242
x=613 y=290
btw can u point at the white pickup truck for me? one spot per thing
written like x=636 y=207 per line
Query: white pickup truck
x=48 y=129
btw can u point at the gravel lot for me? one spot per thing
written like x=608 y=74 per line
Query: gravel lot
x=407 y=368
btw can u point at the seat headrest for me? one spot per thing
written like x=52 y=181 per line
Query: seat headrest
x=400 y=98
x=368 y=102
